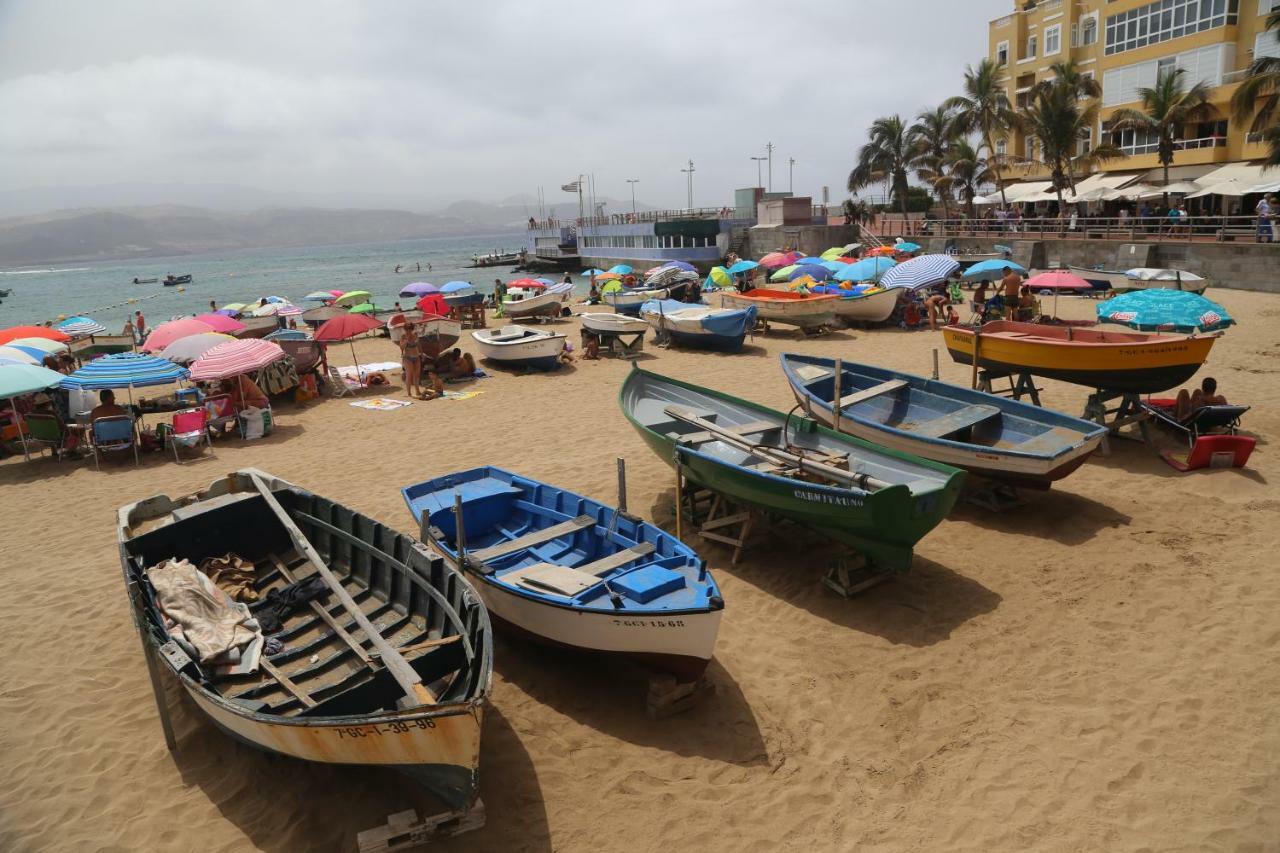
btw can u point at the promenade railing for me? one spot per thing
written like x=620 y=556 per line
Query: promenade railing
x=1201 y=228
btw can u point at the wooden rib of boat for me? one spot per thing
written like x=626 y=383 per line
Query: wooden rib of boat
x=877 y=500
x=1115 y=361
x=336 y=694
x=1119 y=281
x=572 y=571
x=700 y=326
x=805 y=310
x=521 y=346
x=985 y=434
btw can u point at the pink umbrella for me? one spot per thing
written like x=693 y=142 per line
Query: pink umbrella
x=234 y=358
x=774 y=260
x=221 y=323
x=1056 y=280
x=166 y=333
x=337 y=293
x=289 y=311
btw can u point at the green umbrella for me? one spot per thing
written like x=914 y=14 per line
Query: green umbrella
x=783 y=274
x=832 y=253
x=611 y=287
x=19 y=379
x=363 y=308
x=352 y=297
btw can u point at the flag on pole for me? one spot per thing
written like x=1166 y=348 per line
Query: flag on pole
x=572 y=186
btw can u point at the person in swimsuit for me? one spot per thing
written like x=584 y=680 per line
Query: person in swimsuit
x=411 y=360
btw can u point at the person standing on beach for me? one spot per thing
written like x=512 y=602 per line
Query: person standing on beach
x=1010 y=284
x=141 y=323
x=411 y=360
x=499 y=291
x=1264 y=211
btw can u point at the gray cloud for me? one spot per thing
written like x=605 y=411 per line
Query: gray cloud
x=430 y=102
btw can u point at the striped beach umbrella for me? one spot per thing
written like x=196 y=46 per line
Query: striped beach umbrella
x=234 y=358
x=22 y=355
x=924 y=271
x=125 y=370
x=289 y=311
x=81 y=327
x=43 y=345
x=188 y=349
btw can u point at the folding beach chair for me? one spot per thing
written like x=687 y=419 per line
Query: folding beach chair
x=221 y=411
x=189 y=430
x=113 y=433
x=342 y=386
x=1206 y=420
x=45 y=432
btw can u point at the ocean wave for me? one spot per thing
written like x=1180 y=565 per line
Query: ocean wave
x=39 y=272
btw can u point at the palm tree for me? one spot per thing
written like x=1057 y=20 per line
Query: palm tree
x=1258 y=97
x=984 y=109
x=1068 y=73
x=934 y=133
x=968 y=171
x=1057 y=119
x=889 y=153
x=1166 y=108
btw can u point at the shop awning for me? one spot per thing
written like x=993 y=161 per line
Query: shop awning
x=1018 y=192
x=1233 y=179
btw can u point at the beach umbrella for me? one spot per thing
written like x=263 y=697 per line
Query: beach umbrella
x=19 y=379
x=36 y=354
x=336 y=292
x=719 y=276
x=591 y=272
x=15 y=332
x=291 y=334
x=852 y=247
x=992 y=269
x=832 y=253
x=624 y=269
x=813 y=271
x=1058 y=280
x=803 y=282
x=353 y=297
x=220 y=323
x=277 y=299
x=456 y=287
x=233 y=358
x=166 y=333
x=289 y=310
x=604 y=276
x=684 y=265
x=348 y=326
x=846 y=259
x=125 y=370
x=545 y=282
x=22 y=355
x=433 y=304
x=268 y=310
x=810 y=259
x=742 y=266
x=784 y=273
x=236 y=307
x=923 y=271
x=418 y=288
x=363 y=308
x=906 y=247
x=228 y=312
x=883 y=251
x=188 y=349
x=7 y=360
x=773 y=260
x=1163 y=310
x=316 y=316
x=867 y=269
x=534 y=283
x=81 y=327
x=834 y=266
x=611 y=287
x=319 y=296
x=41 y=345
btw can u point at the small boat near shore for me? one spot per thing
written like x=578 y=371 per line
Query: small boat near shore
x=1115 y=361
x=573 y=572
x=1143 y=278
x=874 y=306
x=602 y=322
x=808 y=311
x=628 y=300
x=174 y=280
x=521 y=346
x=531 y=302
x=407 y=695
x=986 y=434
x=260 y=327
x=145 y=280
x=700 y=326
x=877 y=500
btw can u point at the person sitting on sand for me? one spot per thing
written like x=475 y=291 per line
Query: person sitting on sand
x=592 y=351
x=1026 y=305
x=455 y=364
x=245 y=392
x=107 y=407
x=1206 y=395
x=435 y=385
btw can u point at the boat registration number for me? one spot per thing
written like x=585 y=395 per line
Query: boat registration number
x=823 y=498
x=380 y=729
x=649 y=623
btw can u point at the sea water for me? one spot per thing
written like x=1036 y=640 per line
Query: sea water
x=104 y=290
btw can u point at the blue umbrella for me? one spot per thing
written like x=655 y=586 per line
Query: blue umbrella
x=548 y=282
x=455 y=286
x=621 y=269
x=418 y=289
x=906 y=247
x=923 y=271
x=37 y=354
x=819 y=273
x=867 y=269
x=79 y=327
x=687 y=267
x=591 y=272
x=125 y=370
x=992 y=269
x=1153 y=310
x=742 y=266
x=834 y=266
x=811 y=260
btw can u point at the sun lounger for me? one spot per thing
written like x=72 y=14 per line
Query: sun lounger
x=1201 y=421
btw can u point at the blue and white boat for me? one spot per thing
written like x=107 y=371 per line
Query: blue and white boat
x=628 y=300
x=990 y=436
x=571 y=571
x=699 y=326
x=520 y=346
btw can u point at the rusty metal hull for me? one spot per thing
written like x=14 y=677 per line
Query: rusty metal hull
x=356 y=715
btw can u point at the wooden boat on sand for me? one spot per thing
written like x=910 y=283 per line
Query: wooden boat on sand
x=985 y=434
x=808 y=311
x=1115 y=361
x=602 y=322
x=1126 y=281
x=871 y=307
x=520 y=346
x=258 y=327
x=390 y=666
x=628 y=300
x=879 y=501
x=700 y=326
x=571 y=571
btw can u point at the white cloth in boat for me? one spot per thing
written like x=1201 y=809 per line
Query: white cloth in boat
x=205 y=618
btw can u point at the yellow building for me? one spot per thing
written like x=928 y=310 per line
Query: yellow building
x=1125 y=45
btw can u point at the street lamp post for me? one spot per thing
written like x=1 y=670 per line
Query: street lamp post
x=768 y=147
x=633 y=182
x=791 y=175
x=689 y=172
x=759 y=160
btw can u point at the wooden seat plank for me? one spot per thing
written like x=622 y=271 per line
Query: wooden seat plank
x=955 y=421
x=620 y=558
x=874 y=391
x=537 y=537
x=1058 y=438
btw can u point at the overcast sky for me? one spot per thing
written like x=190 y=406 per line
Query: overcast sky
x=430 y=102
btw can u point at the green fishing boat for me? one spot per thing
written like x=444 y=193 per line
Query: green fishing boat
x=878 y=501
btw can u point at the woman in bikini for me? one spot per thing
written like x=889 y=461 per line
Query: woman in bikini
x=411 y=360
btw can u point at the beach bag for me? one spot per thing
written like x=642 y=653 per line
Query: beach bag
x=251 y=423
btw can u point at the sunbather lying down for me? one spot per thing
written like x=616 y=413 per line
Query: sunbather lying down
x=1206 y=395
x=455 y=364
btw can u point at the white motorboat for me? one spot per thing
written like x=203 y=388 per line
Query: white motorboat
x=521 y=346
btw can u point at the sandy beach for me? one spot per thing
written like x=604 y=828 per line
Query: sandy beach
x=1093 y=671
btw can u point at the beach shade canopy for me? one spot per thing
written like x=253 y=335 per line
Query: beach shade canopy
x=42 y=345
x=354 y=297
x=81 y=327
x=233 y=358
x=1059 y=281
x=803 y=282
x=319 y=296
x=604 y=276
x=125 y=370
x=906 y=247
x=14 y=332
x=1165 y=310
x=228 y=312
x=288 y=310
x=622 y=269
x=345 y=327
x=221 y=323
x=19 y=379
x=21 y=355
x=684 y=265
x=867 y=269
x=336 y=292
x=535 y=284
x=743 y=266
x=8 y=360
x=923 y=271
x=166 y=333
x=266 y=300
x=992 y=269
x=418 y=288
x=810 y=259
x=817 y=272
x=456 y=286
x=188 y=349
x=832 y=253
x=268 y=310
x=434 y=304
x=784 y=273
x=883 y=250
x=285 y=335
x=545 y=282
x=591 y=272
x=773 y=260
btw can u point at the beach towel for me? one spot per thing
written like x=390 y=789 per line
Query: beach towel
x=359 y=371
x=382 y=404
x=461 y=395
x=204 y=617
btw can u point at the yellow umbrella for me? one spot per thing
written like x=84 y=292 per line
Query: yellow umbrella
x=833 y=253
x=804 y=282
x=720 y=277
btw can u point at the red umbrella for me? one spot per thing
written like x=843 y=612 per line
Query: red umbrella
x=15 y=332
x=166 y=333
x=433 y=303
x=526 y=283
x=1058 y=280
x=345 y=327
x=221 y=323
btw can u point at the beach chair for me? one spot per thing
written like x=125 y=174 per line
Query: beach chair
x=342 y=386
x=45 y=432
x=110 y=434
x=1213 y=451
x=189 y=429
x=221 y=410
x=1205 y=420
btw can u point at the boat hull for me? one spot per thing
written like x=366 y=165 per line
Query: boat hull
x=612 y=323
x=463 y=300
x=873 y=308
x=1121 y=283
x=1131 y=367
x=542 y=305
x=257 y=327
x=542 y=353
x=629 y=301
x=813 y=313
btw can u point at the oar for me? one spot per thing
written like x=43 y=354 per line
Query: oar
x=410 y=682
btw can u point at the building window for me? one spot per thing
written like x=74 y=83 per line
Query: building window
x=1031 y=47
x=1002 y=148
x=1029 y=148
x=1089 y=29
x=1002 y=53
x=1053 y=40
x=1266 y=7
x=1134 y=142
x=1167 y=19
x=1207 y=64
x=1085 y=145
x=1267 y=44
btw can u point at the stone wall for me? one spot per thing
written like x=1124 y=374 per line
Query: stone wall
x=809 y=239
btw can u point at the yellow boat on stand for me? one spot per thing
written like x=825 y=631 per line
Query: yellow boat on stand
x=1127 y=362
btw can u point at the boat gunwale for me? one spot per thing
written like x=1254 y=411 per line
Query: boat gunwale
x=965 y=332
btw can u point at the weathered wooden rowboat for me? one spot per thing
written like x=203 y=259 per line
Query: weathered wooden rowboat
x=1120 y=281
x=874 y=307
x=700 y=326
x=985 y=434
x=520 y=346
x=603 y=322
x=808 y=311
x=423 y=627
x=877 y=500
x=572 y=571
x=1115 y=361
x=545 y=303
x=258 y=327
x=628 y=300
